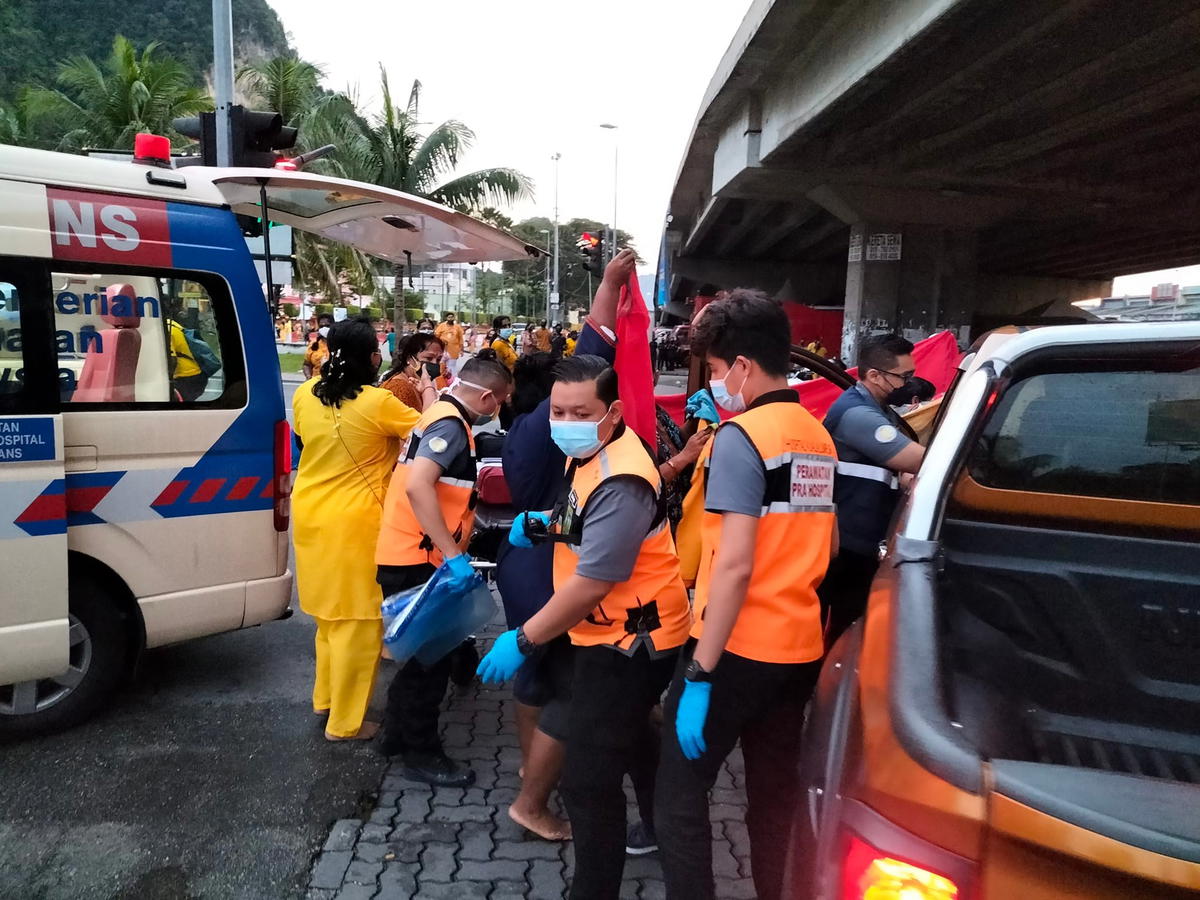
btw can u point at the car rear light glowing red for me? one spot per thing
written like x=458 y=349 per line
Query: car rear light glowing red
x=870 y=874
x=283 y=475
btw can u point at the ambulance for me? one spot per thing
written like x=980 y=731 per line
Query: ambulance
x=144 y=446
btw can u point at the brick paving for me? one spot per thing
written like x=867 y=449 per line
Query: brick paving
x=427 y=843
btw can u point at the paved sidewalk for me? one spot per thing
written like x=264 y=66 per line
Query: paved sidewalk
x=454 y=843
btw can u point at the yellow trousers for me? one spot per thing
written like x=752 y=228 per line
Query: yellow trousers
x=347 y=660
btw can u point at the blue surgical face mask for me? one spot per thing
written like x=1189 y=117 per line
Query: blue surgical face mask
x=506 y=333
x=726 y=400
x=578 y=440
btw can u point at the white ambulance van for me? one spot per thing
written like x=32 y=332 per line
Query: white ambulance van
x=144 y=500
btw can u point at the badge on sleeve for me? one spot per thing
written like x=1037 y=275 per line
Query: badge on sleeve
x=439 y=445
x=885 y=434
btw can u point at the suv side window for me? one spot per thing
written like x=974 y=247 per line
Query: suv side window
x=134 y=337
x=1131 y=435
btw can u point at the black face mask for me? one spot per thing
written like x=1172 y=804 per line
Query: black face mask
x=913 y=389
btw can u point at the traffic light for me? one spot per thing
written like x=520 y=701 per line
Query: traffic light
x=254 y=136
x=201 y=128
x=591 y=249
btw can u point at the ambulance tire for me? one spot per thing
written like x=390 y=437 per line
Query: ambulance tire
x=100 y=654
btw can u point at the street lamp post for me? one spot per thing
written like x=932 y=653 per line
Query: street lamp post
x=546 y=231
x=612 y=244
x=553 y=300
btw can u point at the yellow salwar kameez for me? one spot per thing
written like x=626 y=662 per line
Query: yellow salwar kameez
x=345 y=465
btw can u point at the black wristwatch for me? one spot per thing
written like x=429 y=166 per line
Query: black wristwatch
x=693 y=672
x=524 y=644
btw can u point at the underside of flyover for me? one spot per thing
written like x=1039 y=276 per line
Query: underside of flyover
x=1026 y=151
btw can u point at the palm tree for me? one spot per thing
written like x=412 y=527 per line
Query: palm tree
x=105 y=106
x=390 y=150
x=286 y=85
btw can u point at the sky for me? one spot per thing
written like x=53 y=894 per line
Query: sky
x=537 y=77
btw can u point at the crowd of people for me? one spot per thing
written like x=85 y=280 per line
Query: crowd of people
x=668 y=593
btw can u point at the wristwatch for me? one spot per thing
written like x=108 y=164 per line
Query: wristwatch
x=524 y=644
x=693 y=672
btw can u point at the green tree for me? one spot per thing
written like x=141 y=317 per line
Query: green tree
x=284 y=84
x=106 y=105
x=390 y=149
x=575 y=286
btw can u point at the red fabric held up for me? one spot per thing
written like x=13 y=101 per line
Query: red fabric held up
x=936 y=360
x=634 y=375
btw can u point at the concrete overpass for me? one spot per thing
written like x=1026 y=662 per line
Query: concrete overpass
x=1010 y=153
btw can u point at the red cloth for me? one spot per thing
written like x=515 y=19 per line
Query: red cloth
x=936 y=360
x=634 y=375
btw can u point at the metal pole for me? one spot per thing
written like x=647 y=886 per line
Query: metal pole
x=554 y=291
x=614 y=230
x=222 y=16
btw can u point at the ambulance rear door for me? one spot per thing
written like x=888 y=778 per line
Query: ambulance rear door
x=35 y=633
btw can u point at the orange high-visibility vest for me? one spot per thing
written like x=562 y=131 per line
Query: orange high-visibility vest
x=402 y=541
x=653 y=604
x=780 y=619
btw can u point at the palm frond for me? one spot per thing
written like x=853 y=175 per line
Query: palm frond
x=485 y=187
x=437 y=154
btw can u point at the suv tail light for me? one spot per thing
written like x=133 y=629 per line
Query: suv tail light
x=282 y=482
x=871 y=874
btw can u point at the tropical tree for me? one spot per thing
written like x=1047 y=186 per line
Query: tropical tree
x=105 y=105
x=390 y=149
x=12 y=127
x=286 y=84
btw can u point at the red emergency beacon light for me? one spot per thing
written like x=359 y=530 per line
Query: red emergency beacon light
x=285 y=164
x=152 y=150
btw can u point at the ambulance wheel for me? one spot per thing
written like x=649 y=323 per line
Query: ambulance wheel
x=98 y=654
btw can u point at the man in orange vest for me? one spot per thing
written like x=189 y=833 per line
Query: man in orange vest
x=618 y=595
x=766 y=541
x=427 y=518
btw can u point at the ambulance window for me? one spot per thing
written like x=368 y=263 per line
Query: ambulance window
x=12 y=360
x=144 y=337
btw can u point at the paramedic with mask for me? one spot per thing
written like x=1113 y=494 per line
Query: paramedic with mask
x=755 y=651
x=618 y=594
x=350 y=433
x=873 y=452
x=427 y=518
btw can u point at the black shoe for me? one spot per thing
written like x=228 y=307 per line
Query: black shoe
x=640 y=839
x=463 y=663
x=438 y=770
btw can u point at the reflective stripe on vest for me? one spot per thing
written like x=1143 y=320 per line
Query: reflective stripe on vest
x=402 y=541
x=874 y=473
x=780 y=618
x=652 y=604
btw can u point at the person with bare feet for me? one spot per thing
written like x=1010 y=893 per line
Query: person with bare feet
x=350 y=433
x=534 y=468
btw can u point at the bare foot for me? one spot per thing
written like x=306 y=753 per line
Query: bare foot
x=544 y=824
x=366 y=731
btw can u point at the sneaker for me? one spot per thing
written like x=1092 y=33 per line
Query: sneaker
x=438 y=770
x=464 y=662
x=640 y=839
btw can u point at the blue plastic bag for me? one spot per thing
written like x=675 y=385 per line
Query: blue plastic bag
x=428 y=621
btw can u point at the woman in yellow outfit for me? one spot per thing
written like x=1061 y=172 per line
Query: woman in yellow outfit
x=350 y=434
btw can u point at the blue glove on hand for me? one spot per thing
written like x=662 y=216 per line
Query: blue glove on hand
x=518 y=536
x=461 y=573
x=689 y=719
x=502 y=660
x=700 y=406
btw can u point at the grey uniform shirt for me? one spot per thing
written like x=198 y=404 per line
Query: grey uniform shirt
x=869 y=431
x=442 y=442
x=737 y=481
x=619 y=515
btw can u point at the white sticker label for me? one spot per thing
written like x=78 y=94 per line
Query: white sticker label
x=812 y=481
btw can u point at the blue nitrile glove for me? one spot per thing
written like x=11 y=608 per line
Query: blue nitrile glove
x=689 y=719
x=517 y=536
x=461 y=573
x=700 y=406
x=502 y=660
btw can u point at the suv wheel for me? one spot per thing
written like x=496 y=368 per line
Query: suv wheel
x=99 y=648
